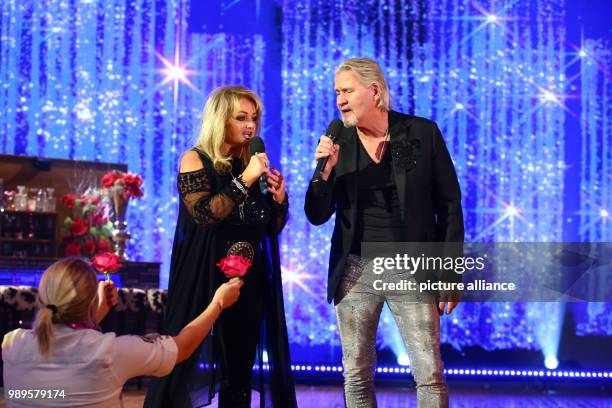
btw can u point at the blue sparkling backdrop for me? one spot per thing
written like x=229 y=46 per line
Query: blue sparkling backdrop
x=97 y=80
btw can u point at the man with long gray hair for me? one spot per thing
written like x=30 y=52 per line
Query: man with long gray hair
x=389 y=178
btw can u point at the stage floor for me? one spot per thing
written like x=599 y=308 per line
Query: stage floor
x=499 y=397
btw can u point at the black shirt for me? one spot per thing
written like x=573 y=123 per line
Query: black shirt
x=378 y=206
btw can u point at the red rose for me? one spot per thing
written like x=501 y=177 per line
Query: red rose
x=234 y=266
x=69 y=200
x=133 y=182
x=95 y=200
x=89 y=247
x=97 y=219
x=79 y=227
x=103 y=245
x=136 y=192
x=109 y=179
x=106 y=262
x=72 y=249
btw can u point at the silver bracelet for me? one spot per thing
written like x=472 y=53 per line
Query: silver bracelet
x=240 y=184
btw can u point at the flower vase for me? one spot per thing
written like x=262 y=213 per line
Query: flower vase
x=120 y=235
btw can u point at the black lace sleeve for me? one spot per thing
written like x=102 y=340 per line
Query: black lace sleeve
x=279 y=215
x=205 y=207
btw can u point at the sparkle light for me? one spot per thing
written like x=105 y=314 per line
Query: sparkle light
x=548 y=96
x=491 y=19
x=292 y=277
x=511 y=211
x=175 y=73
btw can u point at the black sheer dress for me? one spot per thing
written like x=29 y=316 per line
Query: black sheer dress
x=214 y=214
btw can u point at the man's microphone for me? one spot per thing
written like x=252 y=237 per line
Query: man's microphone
x=332 y=132
x=257 y=146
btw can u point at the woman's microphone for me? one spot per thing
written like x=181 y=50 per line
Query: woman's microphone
x=257 y=146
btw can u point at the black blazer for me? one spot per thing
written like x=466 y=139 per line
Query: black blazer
x=427 y=186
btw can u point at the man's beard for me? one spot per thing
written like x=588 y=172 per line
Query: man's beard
x=349 y=120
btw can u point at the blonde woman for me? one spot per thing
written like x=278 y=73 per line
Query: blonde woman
x=222 y=210
x=64 y=352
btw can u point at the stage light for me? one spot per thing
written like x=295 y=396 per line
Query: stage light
x=551 y=362
x=582 y=53
x=264 y=356
x=479 y=372
x=604 y=213
x=403 y=359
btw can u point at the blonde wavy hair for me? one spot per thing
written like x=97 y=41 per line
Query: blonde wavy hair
x=69 y=287
x=221 y=105
x=368 y=72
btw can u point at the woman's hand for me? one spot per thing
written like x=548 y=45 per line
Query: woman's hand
x=276 y=185
x=257 y=166
x=228 y=293
x=107 y=298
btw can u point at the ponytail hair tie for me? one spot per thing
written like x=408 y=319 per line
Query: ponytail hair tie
x=53 y=308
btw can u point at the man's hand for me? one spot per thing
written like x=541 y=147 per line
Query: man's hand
x=327 y=148
x=449 y=300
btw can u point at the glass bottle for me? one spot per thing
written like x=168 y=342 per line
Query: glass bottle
x=21 y=199
x=41 y=200
x=9 y=200
x=32 y=192
x=51 y=206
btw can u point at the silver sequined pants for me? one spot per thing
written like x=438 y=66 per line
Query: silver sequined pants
x=358 y=308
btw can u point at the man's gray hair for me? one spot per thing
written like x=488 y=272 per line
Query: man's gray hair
x=368 y=72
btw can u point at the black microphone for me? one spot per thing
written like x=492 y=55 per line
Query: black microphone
x=332 y=132
x=257 y=146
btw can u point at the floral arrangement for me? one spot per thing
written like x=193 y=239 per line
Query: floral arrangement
x=234 y=266
x=88 y=230
x=128 y=184
x=106 y=263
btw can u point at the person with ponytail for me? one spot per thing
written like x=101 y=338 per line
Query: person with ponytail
x=64 y=351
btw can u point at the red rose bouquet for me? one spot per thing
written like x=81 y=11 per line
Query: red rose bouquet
x=129 y=185
x=87 y=230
